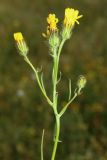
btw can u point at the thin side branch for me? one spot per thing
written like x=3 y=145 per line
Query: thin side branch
x=38 y=80
x=66 y=106
x=69 y=89
x=42 y=145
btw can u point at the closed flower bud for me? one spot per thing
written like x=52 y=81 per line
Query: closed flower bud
x=81 y=83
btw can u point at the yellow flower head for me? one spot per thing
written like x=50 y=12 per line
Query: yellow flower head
x=52 y=25
x=18 y=36
x=71 y=16
x=21 y=44
x=52 y=21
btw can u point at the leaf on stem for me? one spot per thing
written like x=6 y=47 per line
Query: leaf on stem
x=42 y=83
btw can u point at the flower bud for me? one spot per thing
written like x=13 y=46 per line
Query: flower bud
x=81 y=83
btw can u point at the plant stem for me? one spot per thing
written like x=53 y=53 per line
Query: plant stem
x=57 y=132
x=60 y=48
x=55 y=73
x=42 y=145
x=66 y=106
x=38 y=80
x=55 y=98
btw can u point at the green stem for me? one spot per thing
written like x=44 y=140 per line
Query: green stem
x=38 y=80
x=55 y=97
x=57 y=132
x=60 y=48
x=42 y=145
x=66 y=106
x=55 y=74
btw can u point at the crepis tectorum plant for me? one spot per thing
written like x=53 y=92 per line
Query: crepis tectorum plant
x=56 y=40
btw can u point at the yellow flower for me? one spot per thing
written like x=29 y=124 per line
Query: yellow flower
x=21 y=44
x=52 y=25
x=18 y=36
x=52 y=21
x=71 y=16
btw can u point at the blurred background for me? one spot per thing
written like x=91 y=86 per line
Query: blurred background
x=23 y=111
